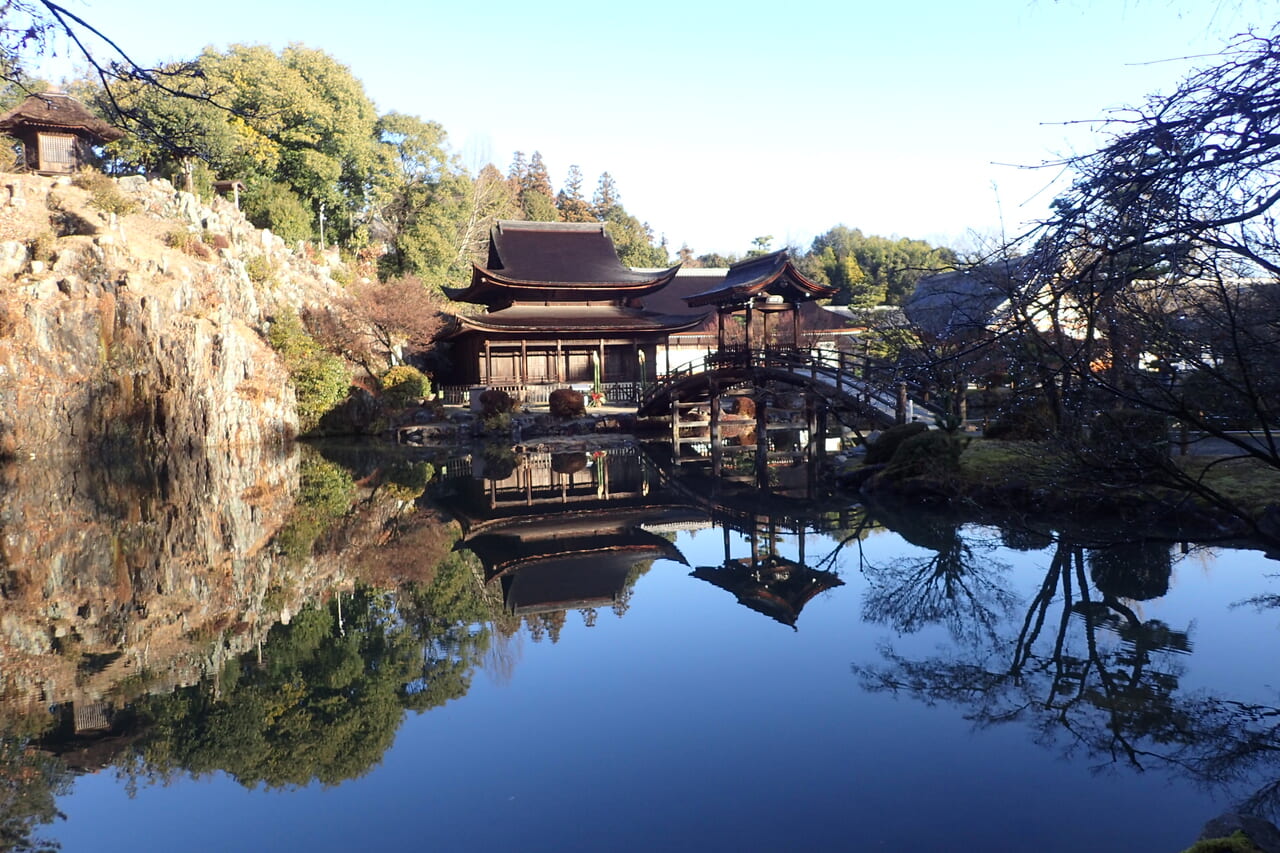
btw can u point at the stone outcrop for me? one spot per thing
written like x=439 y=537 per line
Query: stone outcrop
x=143 y=328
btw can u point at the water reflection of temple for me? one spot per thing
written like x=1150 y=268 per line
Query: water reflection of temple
x=562 y=531
x=774 y=586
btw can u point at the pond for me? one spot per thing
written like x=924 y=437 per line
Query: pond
x=295 y=651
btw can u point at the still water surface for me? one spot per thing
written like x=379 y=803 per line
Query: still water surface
x=744 y=682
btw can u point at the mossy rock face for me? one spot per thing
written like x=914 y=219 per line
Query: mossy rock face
x=882 y=449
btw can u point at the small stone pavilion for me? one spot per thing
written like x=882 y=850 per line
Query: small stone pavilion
x=57 y=132
x=561 y=309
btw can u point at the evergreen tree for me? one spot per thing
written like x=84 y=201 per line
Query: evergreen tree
x=572 y=206
x=605 y=198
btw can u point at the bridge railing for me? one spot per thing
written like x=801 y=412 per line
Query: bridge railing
x=875 y=383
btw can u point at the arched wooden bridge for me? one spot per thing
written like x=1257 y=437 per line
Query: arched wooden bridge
x=841 y=381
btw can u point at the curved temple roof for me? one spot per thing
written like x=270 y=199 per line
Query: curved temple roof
x=57 y=111
x=771 y=274
x=554 y=260
x=570 y=319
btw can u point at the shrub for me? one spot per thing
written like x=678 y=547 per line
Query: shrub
x=189 y=243
x=499 y=461
x=258 y=268
x=498 y=422
x=1128 y=437
x=568 y=463
x=566 y=403
x=325 y=493
x=882 y=449
x=495 y=402
x=409 y=480
x=405 y=385
x=104 y=194
x=320 y=378
x=277 y=207
x=928 y=453
x=42 y=247
x=1023 y=422
x=180 y=239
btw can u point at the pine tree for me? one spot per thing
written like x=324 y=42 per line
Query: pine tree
x=606 y=197
x=573 y=207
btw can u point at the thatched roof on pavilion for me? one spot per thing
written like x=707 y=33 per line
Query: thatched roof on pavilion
x=57 y=111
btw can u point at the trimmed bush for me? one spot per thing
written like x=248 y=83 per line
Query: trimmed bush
x=930 y=453
x=882 y=449
x=566 y=403
x=1025 y=422
x=404 y=385
x=495 y=402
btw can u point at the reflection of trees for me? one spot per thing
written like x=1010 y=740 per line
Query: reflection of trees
x=1085 y=673
x=326 y=695
x=956 y=586
x=30 y=781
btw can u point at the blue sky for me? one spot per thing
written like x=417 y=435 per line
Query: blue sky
x=724 y=122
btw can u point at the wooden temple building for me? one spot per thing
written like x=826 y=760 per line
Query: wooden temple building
x=57 y=133
x=761 y=289
x=560 y=309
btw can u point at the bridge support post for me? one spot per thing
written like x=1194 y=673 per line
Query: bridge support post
x=900 y=410
x=762 y=437
x=717 y=443
x=675 y=428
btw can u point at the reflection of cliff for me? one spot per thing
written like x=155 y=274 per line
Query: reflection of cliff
x=123 y=580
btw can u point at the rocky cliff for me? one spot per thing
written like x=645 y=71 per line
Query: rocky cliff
x=136 y=314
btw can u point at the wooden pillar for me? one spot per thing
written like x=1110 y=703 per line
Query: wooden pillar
x=811 y=424
x=749 y=313
x=720 y=329
x=762 y=438
x=675 y=429
x=524 y=361
x=488 y=363
x=795 y=325
x=559 y=373
x=668 y=345
x=900 y=411
x=822 y=431
x=717 y=443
